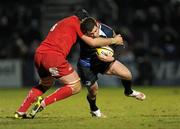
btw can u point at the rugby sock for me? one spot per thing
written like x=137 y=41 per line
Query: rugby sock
x=92 y=104
x=127 y=86
x=59 y=94
x=31 y=98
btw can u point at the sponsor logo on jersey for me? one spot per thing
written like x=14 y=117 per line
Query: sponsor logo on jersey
x=54 y=71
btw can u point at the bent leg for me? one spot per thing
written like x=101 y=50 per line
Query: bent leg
x=91 y=97
x=73 y=81
x=120 y=70
x=72 y=86
x=123 y=73
x=44 y=85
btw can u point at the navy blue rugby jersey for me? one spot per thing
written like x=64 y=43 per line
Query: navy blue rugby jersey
x=86 y=51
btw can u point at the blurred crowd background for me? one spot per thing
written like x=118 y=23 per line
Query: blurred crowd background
x=150 y=28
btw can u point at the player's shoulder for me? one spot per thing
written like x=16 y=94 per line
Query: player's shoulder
x=107 y=30
x=73 y=17
x=105 y=26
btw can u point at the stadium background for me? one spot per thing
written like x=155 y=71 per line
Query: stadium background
x=150 y=29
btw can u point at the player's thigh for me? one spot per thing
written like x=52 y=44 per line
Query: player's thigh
x=40 y=67
x=88 y=77
x=118 y=69
x=71 y=78
x=52 y=64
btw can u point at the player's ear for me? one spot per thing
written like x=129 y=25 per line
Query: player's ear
x=97 y=24
x=114 y=33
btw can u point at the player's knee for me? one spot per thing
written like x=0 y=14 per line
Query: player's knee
x=76 y=87
x=127 y=76
x=93 y=91
x=42 y=88
x=45 y=84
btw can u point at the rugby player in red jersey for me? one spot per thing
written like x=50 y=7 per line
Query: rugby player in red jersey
x=50 y=61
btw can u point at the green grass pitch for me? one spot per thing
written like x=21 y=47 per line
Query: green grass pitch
x=161 y=110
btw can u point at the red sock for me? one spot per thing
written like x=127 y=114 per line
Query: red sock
x=59 y=94
x=31 y=98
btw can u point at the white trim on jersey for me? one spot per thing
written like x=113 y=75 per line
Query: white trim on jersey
x=101 y=32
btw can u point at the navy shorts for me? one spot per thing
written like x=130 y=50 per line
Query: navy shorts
x=89 y=74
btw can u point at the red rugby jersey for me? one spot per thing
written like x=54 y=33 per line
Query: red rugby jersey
x=61 y=36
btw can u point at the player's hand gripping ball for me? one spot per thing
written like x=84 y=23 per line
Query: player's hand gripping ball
x=105 y=51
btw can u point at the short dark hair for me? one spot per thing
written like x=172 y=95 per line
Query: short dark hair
x=87 y=25
x=81 y=14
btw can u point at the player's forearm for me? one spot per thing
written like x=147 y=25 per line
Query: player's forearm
x=97 y=42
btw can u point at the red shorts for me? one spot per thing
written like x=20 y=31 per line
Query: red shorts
x=52 y=64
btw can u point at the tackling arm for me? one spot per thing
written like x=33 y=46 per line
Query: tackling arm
x=98 y=42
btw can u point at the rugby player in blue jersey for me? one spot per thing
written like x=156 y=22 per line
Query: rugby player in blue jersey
x=90 y=65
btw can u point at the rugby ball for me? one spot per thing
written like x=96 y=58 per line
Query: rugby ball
x=105 y=50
